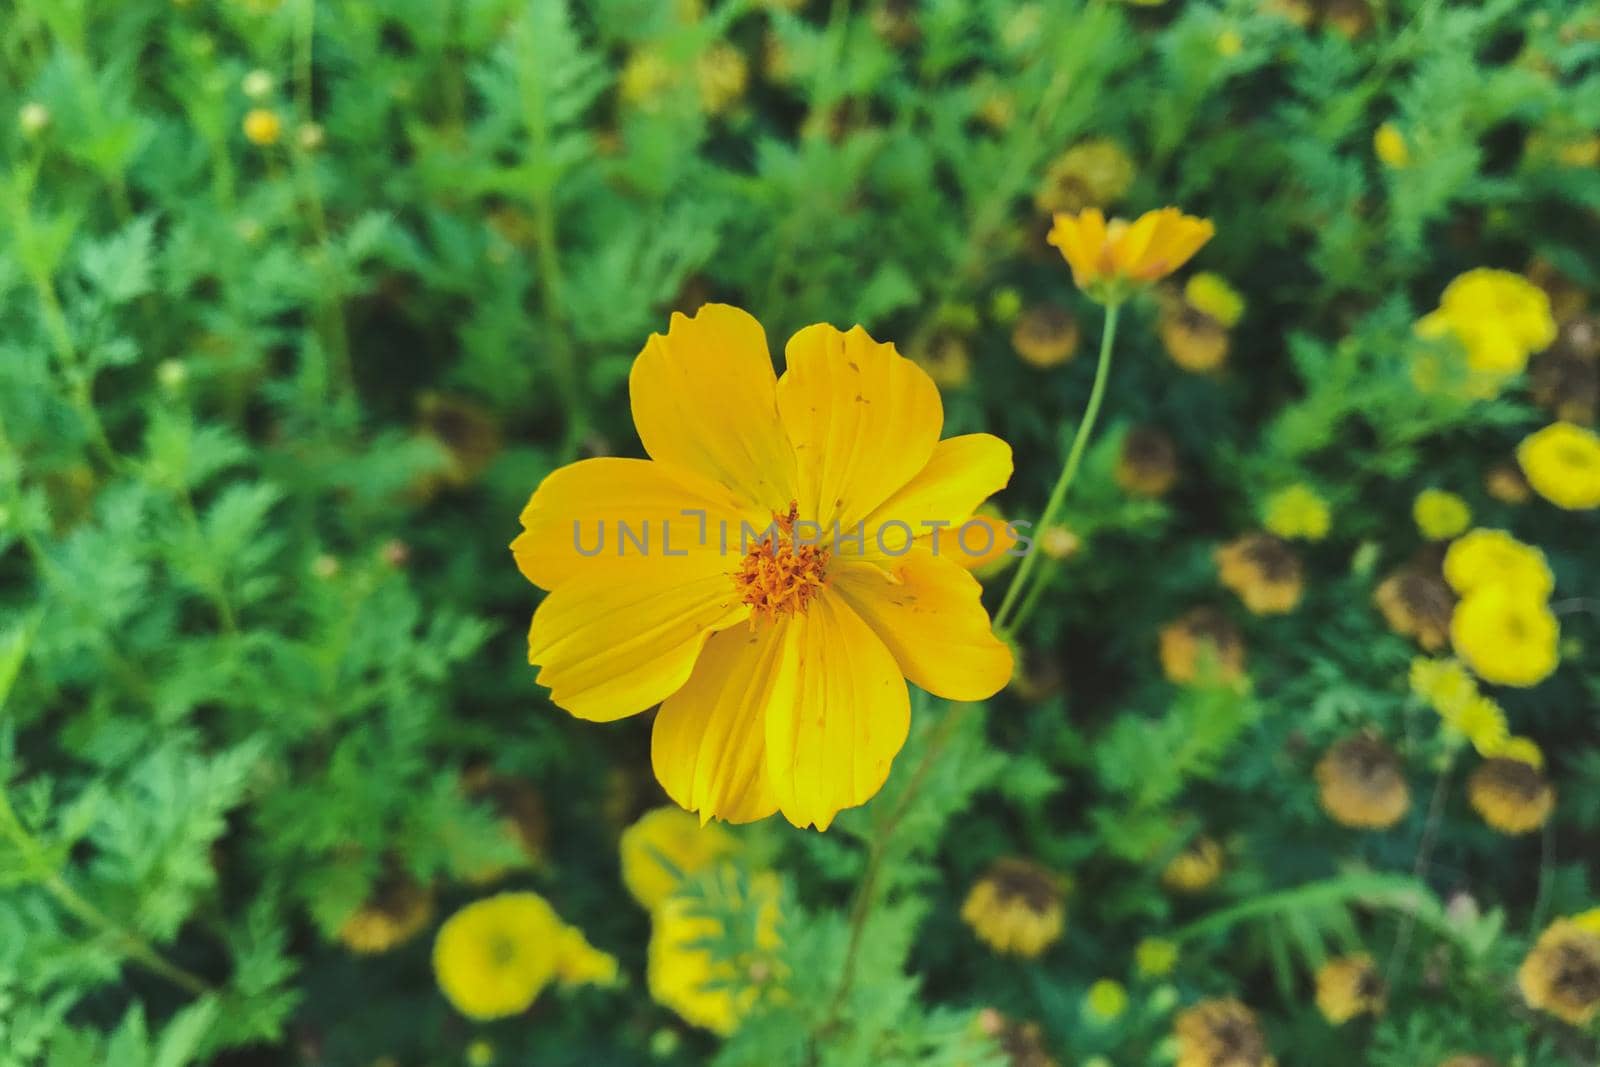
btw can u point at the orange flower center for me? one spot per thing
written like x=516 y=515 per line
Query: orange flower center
x=778 y=576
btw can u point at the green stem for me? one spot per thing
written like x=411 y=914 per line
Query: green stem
x=1069 y=471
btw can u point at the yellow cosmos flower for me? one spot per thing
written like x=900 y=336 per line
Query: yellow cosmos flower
x=665 y=846
x=1498 y=318
x=1506 y=636
x=1483 y=558
x=808 y=558
x=1562 y=463
x=1389 y=145
x=1221 y=1033
x=1561 y=975
x=1512 y=796
x=1108 y=259
x=682 y=970
x=494 y=957
x=1361 y=783
x=1297 y=512
x=1350 y=986
x=1017 y=907
x=1440 y=515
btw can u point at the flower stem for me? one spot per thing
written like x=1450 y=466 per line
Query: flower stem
x=1069 y=471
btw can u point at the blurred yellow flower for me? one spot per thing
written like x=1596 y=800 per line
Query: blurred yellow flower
x=397 y=912
x=1498 y=318
x=1506 y=636
x=1092 y=173
x=1298 y=512
x=1561 y=975
x=722 y=74
x=1017 y=908
x=1229 y=44
x=262 y=126
x=1416 y=603
x=1155 y=957
x=1203 y=645
x=1194 y=869
x=495 y=956
x=1389 y=145
x=1221 y=1033
x=1045 y=336
x=1522 y=749
x=1196 y=341
x=1362 y=784
x=1483 y=723
x=1512 y=795
x=663 y=847
x=1263 y=570
x=1483 y=557
x=1106 y=1000
x=1444 y=684
x=780 y=660
x=1440 y=515
x=1350 y=986
x=1504 y=482
x=1212 y=295
x=1147 y=462
x=1562 y=463
x=682 y=970
x=1110 y=259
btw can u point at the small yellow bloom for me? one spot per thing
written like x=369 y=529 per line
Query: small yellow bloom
x=1109 y=259
x=1221 y=1033
x=262 y=126
x=665 y=846
x=1195 y=340
x=1562 y=463
x=1194 y=869
x=645 y=78
x=1017 y=908
x=1203 y=645
x=1147 y=462
x=1440 y=515
x=1389 y=145
x=1106 y=1000
x=1155 y=957
x=1504 y=482
x=1045 y=336
x=1482 y=558
x=1498 y=318
x=495 y=956
x=722 y=73
x=683 y=972
x=1483 y=723
x=1416 y=603
x=397 y=912
x=1506 y=636
x=1229 y=44
x=480 y=1054
x=1297 y=512
x=1512 y=796
x=1091 y=174
x=1362 y=784
x=779 y=660
x=1263 y=570
x=1561 y=975
x=1444 y=684
x=1350 y=986
x=1211 y=294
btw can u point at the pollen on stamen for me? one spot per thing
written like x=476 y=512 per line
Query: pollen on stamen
x=779 y=577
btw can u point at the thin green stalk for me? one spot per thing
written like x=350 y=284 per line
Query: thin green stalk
x=1069 y=471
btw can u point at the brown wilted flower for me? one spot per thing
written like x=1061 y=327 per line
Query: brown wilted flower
x=1017 y=908
x=1221 y=1033
x=1362 y=784
x=1194 y=869
x=1565 y=378
x=1092 y=173
x=1045 y=336
x=1350 y=986
x=1417 y=603
x=1206 y=640
x=1147 y=462
x=1561 y=975
x=396 y=912
x=1512 y=795
x=1263 y=570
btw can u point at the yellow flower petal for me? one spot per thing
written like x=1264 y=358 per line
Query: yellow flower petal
x=929 y=615
x=862 y=418
x=704 y=399
x=962 y=473
x=830 y=747
x=709 y=744
x=573 y=522
x=597 y=670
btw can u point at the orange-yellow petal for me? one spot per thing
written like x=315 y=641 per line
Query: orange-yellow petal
x=1174 y=239
x=709 y=747
x=962 y=473
x=980 y=541
x=862 y=418
x=704 y=398
x=830 y=746
x=575 y=519
x=612 y=642
x=1081 y=239
x=927 y=611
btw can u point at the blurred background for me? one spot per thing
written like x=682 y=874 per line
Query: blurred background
x=300 y=302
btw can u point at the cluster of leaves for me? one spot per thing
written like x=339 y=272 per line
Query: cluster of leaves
x=268 y=412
